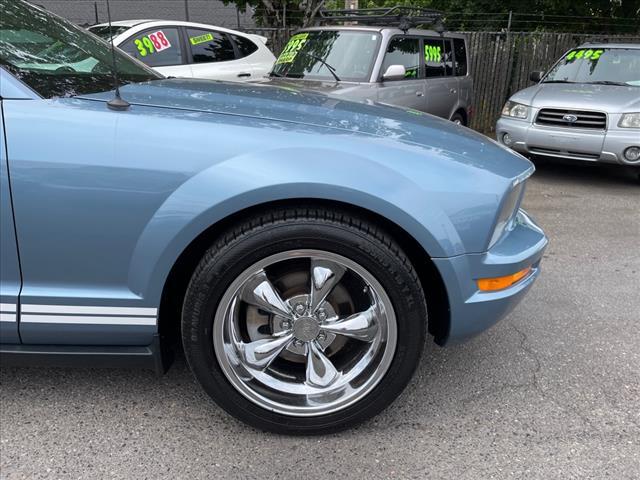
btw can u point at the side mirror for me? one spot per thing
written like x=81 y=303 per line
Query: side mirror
x=536 y=76
x=394 y=72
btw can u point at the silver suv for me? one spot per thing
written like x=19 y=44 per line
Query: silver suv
x=419 y=69
x=587 y=107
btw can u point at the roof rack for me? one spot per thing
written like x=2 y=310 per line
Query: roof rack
x=402 y=17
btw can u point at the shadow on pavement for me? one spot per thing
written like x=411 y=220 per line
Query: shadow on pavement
x=586 y=173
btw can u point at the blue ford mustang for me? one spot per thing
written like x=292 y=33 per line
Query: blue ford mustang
x=298 y=247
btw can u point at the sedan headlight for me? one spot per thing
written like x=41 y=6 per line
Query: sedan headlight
x=514 y=109
x=509 y=207
x=630 y=120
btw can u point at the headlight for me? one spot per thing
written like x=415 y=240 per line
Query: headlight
x=509 y=207
x=630 y=120
x=513 y=109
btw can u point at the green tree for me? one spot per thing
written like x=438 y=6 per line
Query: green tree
x=274 y=13
x=556 y=15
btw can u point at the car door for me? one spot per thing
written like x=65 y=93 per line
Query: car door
x=442 y=87
x=259 y=58
x=161 y=48
x=410 y=91
x=10 y=280
x=79 y=206
x=214 y=56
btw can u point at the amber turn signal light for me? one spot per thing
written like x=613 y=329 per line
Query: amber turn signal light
x=500 y=283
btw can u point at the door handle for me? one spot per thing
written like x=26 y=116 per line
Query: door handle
x=419 y=94
x=244 y=74
x=453 y=90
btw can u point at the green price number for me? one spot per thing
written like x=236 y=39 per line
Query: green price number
x=587 y=54
x=145 y=46
x=292 y=48
x=432 y=53
x=411 y=73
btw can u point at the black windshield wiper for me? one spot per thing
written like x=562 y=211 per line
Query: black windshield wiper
x=558 y=81
x=329 y=67
x=608 y=82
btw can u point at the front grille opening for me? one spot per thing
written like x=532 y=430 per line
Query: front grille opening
x=572 y=118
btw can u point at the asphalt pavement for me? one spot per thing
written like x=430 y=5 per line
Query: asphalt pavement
x=551 y=392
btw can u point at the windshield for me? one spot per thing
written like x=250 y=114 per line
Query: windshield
x=598 y=65
x=56 y=58
x=106 y=32
x=313 y=55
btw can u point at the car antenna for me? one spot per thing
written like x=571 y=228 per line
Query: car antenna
x=117 y=103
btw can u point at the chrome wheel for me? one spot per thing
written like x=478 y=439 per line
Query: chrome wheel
x=305 y=333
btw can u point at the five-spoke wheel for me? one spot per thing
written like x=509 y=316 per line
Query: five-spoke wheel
x=300 y=320
x=305 y=332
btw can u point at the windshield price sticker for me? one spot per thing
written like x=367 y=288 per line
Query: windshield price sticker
x=432 y=53
x=152 y=43
x=292 y=48
x=584 y=53
x=207 y=37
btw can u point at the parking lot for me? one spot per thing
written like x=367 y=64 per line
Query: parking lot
x=553 y=391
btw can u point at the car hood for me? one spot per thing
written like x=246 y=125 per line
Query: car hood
x=581 y=96
x=292 y=106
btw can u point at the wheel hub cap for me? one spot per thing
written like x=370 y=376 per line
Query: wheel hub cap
x=305 y=333
x=306 y=329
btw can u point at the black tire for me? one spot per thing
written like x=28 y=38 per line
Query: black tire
x=285 y=229
x=459 y=119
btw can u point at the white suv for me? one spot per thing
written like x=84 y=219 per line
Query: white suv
x=186 y=49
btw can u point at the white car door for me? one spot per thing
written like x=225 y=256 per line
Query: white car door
x=255 y=53
x=214 y=57
x=160 y=48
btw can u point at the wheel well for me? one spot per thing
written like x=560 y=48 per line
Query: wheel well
x=175 y=287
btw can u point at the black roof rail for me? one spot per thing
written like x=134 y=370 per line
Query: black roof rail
x=402 y=17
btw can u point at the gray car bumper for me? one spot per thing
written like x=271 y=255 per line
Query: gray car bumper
x=570 y=144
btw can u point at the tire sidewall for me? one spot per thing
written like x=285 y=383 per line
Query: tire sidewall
x=221 y=267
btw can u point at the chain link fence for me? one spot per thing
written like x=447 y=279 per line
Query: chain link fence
x=90 y=12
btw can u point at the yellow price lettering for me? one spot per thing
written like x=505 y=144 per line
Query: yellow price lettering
x=293 y=47
x=587 y=54
x=141 y=50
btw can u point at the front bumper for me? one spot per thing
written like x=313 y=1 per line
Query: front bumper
x=473 y=311
x=566 y=143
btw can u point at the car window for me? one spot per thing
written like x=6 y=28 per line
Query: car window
x=460 y=51
x=598 y=65
x=245 y=46
x=447 y=57
x=210 y=46
x=157 y=47
x=107 y=33
x=57 y=58
x=433 y=57
x=406 y=52
x=315 y=54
